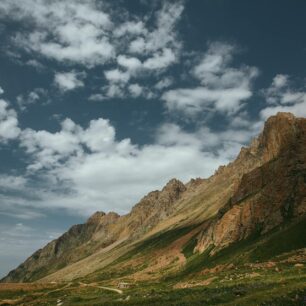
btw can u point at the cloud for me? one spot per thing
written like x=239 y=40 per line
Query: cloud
x=164 y=83
x=1 y=91
x=135 y=89
x=10 y=181
x=117 y=76
x=222 y=88
x=8 y=122
x=163 y=35
x=84 y=169
x=86 y=33
x=133 y=28
x=67 y=81
x=130 y=63
x=36 y=64
x=33 y=97
x=281 y=96
x=160 y=60
x=97 y=97
x=132 y=49
x=65 y=31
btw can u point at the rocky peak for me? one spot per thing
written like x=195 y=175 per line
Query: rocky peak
x=102 y=219
x=156 y=205
x=278 y=135
x=271 y=191
x=194 y=183
x=174 y=186
x=96 y=217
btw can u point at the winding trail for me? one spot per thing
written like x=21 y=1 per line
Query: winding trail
x=102 y=287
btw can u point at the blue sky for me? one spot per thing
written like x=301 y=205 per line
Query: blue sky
x=103 y=101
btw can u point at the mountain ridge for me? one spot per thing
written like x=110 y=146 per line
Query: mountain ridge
x=230 y=206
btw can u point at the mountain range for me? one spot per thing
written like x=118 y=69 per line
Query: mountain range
x=250 y=212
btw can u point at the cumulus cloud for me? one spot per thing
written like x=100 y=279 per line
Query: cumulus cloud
x=87 y=169
x=130 y=63
x=164 y=83
x=135 y=90
x=8 y=122
x=131 y=49
x=221 y=88
x=86 y=33
x=160 y=60
x=117 y=76
x=133 y=28
x=65 y=31
x=66 y=81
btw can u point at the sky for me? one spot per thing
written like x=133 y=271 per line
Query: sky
x=104 y=101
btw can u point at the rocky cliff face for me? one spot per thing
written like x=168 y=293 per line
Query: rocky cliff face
x=262 y=189
x=270 y=194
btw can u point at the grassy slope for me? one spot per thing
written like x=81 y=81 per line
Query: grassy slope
x=257 y=248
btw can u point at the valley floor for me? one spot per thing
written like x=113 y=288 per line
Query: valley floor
x=268 y=283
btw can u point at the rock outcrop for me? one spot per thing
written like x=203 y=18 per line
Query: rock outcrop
x=270 y=194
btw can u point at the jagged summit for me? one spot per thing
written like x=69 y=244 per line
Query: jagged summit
x=279 y=134
x=102 y=217
x=96 y=217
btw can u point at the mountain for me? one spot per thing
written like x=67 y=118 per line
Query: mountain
x=251 y=210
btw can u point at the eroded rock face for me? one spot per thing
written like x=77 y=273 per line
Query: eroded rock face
x=154 y=207
x=269 y=194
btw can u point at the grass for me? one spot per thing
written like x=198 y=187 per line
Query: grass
x=288 y=239
x=283 y=284
x=189 y=247
x=143 y=248
x=286 y=287
x=158 y=241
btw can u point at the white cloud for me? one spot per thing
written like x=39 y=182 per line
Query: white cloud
x=135 y=90
x=88 y=169
x=130 y=63
x=164 y=83
x=85 y=33
x=134 y=28
x=66 y=81
x=36 y=64
x=138 y=45
x=65 y=31
x=222 y=88
x=163 y=35
x=117 y=76
x=282 y=97
x=1 y=90
x=89 y=33
x=160 y=60
x=10 y=181
x=34 y=96
x=8 y=122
